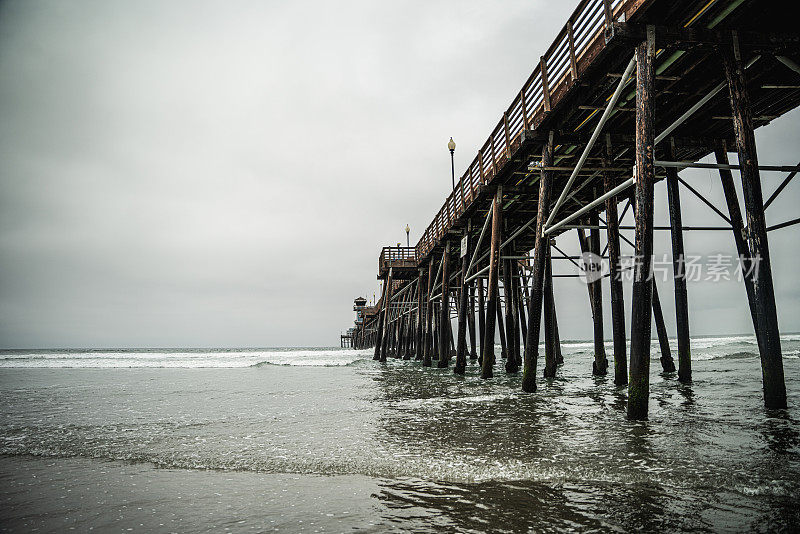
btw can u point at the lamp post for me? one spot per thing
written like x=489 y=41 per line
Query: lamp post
x=408 y=241
x=452 y=146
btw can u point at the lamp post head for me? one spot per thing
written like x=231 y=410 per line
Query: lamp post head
x=408 y=229
x=451 y=145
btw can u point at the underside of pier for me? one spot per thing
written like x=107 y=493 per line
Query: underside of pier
x=629 y=93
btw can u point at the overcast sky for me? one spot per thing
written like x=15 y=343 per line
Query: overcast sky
x=192 y=173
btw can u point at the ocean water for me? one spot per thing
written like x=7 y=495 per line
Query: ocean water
x=326 y=440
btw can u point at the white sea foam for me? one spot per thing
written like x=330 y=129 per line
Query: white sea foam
x=181 y=359
x=703 y=348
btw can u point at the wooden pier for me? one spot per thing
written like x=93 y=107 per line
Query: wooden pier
x=630 y=93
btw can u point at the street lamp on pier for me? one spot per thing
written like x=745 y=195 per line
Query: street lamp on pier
x=408 y=241
x=452 y=146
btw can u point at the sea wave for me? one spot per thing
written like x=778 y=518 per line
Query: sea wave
x=703 y=348
x=773 y=488
x=696 y=342
x=197 y=359
x=311 y=363
x=738 y=355
x=448 y=468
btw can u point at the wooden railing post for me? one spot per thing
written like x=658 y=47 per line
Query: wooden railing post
x=609 y=29
x=463 y=202
x=607 y=12
x=471 y=185
x=573 y=62
x=545 y=87
x=508 y=138
x=524 y=109
x=494 y=157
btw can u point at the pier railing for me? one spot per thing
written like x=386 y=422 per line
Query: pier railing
x=582 y=38
x=397 y=257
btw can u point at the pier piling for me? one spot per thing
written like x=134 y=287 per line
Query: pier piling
x=444 y=320
x=615 y=277
x=419 y=345
x=436 y=329
x=550 y=348
x=679 y=270
x=428 y=330
x=473 y=353
x=535 y=303
x=463 y=296
x=512 y=365
x=737 y=225
x=481 y=320
x=641 y=314
x=380 y=319
x=763 y=292
x=667 y=363
x=600 y=364
x=522 y=295
x=501 y=329
x=487 y=365
x=386 y=315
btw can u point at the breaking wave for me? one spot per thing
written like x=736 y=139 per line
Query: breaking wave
x=180 y=359
x=703 y=348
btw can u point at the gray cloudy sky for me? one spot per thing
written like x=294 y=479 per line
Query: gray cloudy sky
x=223 y=173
